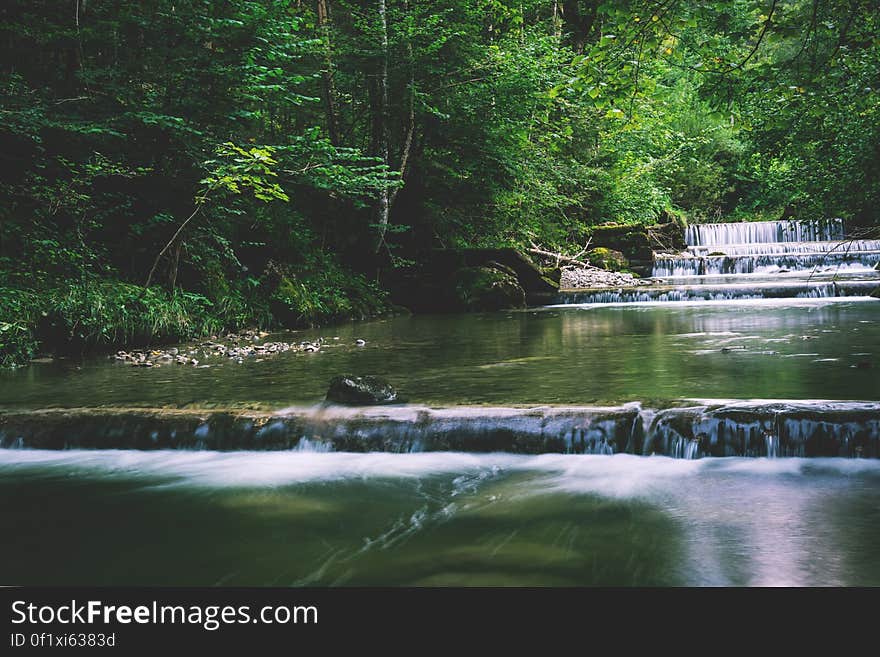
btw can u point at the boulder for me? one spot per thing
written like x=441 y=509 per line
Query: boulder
x=361 y=390
x=488 y=288
x=608 y=259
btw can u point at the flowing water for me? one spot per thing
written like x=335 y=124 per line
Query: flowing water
x=769 y=247
x=461 y=493
x=607 y=354
x=298 y=518
x=764 y=232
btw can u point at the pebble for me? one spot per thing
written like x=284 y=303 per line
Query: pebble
x=235 y=346
x=576 y=277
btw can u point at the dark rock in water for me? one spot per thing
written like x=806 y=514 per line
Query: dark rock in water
x=488 y=288
x=358 y=390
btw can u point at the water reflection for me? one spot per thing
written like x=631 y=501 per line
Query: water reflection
x=760 y=349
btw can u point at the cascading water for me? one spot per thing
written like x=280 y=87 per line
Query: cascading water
x=756 y=429
x=772 y=445
x=768 y=247
x=764 y=231
x=754 y=260
x=794 y=289
x=786 y=248
x=690 y=265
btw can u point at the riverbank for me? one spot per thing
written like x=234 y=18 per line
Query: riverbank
x=100 y=316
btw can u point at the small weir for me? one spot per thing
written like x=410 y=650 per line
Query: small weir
x=768 y=247
x=754 y=260
x=790 y=230
x=846 y=247
x=796 y=289
x=690 y=265
x=755 y=429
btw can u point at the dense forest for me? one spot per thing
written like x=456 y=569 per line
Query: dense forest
x=173 y=168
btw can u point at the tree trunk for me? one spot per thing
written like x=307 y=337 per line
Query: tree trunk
x=323 y=11
x=411 y=114
x=169 y=244
x=579 y=22
x=557 y=21
x=176 y=265
x=381 y=115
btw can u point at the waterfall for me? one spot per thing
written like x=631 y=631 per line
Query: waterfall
x=774 y=429
x=850 y=247
x=772 y=445
x=751 y=250
x=790 y=230
x=684 y=448
x=671 y=266
x=769 y=247
x=312 y=446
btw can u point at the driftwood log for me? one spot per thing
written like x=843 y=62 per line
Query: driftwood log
x=562 y=258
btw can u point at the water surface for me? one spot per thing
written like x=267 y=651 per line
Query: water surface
x=184 y=518
x=606 y=354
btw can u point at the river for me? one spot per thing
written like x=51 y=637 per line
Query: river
x=729 y=364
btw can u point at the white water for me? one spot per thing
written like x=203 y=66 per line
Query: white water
x=783 y=289
x=768 y=247
x=677 y=266
x=786 y=248
x=742 y=301
x=620 y=475
x=764 y=231
x=757 y=522
x=775 y=259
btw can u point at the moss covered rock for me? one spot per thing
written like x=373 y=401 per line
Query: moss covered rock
x=608 y=259
x=488 y=288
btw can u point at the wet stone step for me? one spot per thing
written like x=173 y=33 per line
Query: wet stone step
x=757 y=429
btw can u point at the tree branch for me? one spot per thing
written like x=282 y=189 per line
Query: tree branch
x=561 y=257
x=170 y=242
x=760 y=37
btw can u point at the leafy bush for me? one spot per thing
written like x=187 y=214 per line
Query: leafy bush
x=18 y=313
x=324 y=295
x=87 y=315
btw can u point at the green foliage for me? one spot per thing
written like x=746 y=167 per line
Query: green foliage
x=19 y=311
x=94 y=314
x=323 y=293
x=483 y=124
x=238 y=168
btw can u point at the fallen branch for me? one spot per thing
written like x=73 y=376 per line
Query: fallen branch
x=561 y=257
